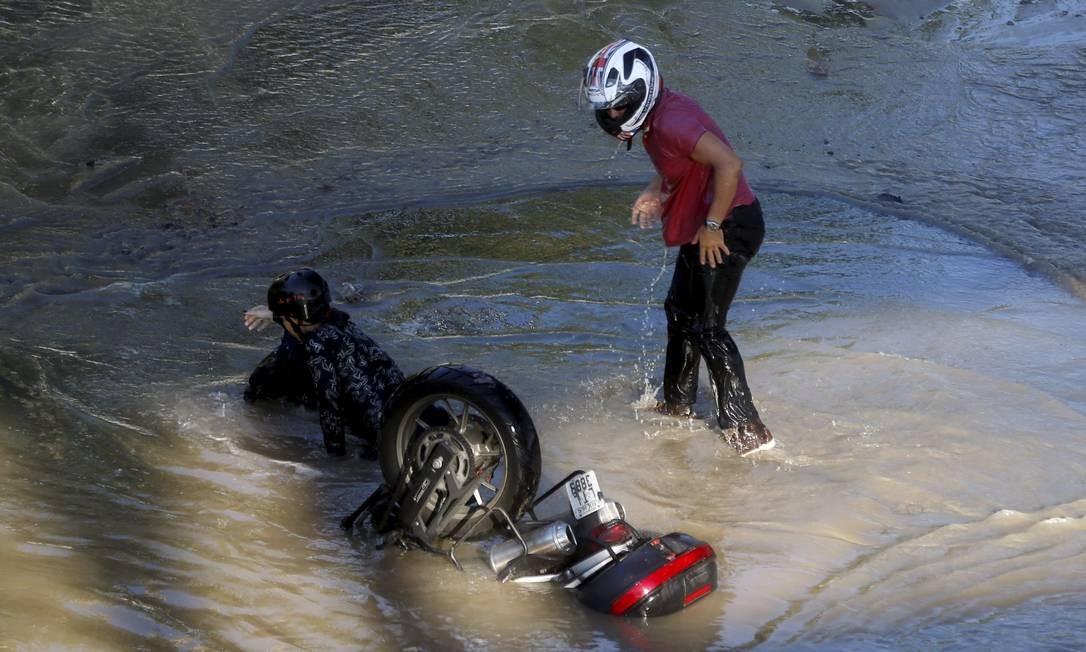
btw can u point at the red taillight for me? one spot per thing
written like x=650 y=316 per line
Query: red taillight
x=612 y=533
x=653 y=580
x=697 y=593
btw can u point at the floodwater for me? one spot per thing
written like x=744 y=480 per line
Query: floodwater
x=913 y=327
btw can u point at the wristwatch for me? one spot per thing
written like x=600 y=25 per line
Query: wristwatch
x=712 y=226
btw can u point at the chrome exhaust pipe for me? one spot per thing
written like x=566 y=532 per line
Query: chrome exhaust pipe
x=553 y=539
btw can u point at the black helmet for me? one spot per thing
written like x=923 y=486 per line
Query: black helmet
x=302 y=295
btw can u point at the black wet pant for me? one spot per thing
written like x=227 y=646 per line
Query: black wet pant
x=697 y=311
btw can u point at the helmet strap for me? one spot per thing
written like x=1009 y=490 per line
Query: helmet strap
x=295 y=327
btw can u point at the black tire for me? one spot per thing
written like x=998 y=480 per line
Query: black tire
x=466 y=408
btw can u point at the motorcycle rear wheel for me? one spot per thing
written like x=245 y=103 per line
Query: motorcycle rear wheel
x=486 y=425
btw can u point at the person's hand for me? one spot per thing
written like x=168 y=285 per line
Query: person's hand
x=647 y=209
x=258 y=318
x=711 y=248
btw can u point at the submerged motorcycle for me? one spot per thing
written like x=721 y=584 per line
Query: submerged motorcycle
x=461 y=463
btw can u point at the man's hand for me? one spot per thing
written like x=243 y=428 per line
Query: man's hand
x=711 y=247
x=257 y=318
x=647 y=209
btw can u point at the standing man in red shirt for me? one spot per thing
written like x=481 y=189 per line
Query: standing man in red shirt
x=708 y=211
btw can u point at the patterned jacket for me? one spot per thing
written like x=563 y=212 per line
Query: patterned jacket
x=353 y=379
x=340 y=371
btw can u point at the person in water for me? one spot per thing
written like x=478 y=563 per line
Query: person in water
x=324 y=360
x=708 y=210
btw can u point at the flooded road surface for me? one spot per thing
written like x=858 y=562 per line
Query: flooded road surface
x=929 y=476
x=912 y=327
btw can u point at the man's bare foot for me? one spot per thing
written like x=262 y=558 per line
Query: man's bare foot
x=749 y=438
x=674 y=410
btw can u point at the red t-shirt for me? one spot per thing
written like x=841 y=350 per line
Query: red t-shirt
x=672 y=129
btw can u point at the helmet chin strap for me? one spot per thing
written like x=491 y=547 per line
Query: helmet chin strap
x=295 y=327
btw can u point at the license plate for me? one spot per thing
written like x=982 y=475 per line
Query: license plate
x=584 y=494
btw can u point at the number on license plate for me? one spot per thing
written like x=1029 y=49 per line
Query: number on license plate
x=584 y=494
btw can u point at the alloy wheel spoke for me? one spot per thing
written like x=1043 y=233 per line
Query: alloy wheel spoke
x=463 y=425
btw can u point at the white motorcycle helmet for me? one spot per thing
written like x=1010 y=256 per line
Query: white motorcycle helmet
x=621 y=75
